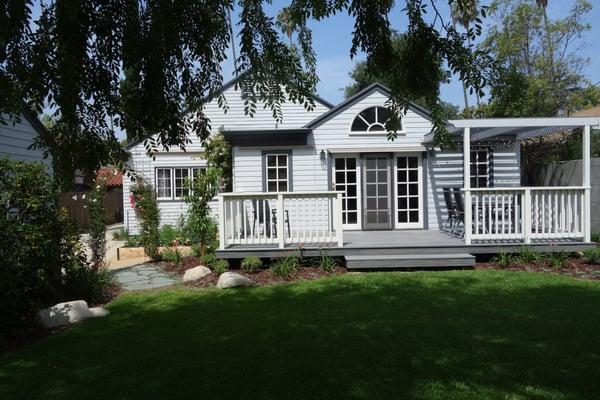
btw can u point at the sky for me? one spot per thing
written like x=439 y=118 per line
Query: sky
x=332 y=41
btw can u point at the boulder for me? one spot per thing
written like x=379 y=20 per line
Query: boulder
x=195 y=273
x=232 y=280
x=69 y=312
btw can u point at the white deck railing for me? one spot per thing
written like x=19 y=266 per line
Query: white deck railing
x=281 y=219
x=526 y=213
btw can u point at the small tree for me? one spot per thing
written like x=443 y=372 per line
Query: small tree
x=146 y=210
x=97 y=228
x=201 y=227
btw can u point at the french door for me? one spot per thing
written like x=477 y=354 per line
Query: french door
x=346 y=178
x=377 y=204
x=408 y=183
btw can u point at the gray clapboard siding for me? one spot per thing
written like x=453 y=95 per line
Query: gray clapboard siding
x=247 y=163
x=16 y=139
x=445 y=169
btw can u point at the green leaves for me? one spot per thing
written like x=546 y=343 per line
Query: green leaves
x=149 y=67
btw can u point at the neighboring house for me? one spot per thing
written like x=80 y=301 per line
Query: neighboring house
x=114 y=178
x=330 y=178
x=16 y=138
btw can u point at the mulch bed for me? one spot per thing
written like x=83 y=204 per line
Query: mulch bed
x=574 y=267
x=263 y=277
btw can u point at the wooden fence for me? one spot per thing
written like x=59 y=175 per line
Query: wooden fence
x=77 y=205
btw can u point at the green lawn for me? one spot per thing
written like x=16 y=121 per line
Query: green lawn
x=439 y=335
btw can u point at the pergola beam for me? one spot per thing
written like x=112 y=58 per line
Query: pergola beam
x=524 y=122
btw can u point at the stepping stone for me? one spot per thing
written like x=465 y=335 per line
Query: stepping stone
x=145 y=276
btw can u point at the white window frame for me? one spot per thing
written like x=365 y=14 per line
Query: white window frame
x=170 y=186
x=359 y=205
x=277 y=180
x=475 y=161
x=371 y=133
x=408 y=225
x=183 y=182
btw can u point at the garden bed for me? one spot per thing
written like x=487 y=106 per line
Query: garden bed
x=263 y=277
x=574 y=267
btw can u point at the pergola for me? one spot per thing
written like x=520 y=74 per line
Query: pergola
x=525 y=128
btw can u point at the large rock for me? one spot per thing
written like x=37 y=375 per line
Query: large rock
x=195 y=273
x=232 y=280
x=69 y=312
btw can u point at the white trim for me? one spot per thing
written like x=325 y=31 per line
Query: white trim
x=523 y=122
x=408 y=225
x=377 y=149
x=156 y=178
x=277 y=180
x=359 y=207
x=402 y=131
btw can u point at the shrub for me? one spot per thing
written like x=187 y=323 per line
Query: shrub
x=558 y=259
x=37 y=243
x=596 y=237
x=220 y=266
x=93 y=286
x=208 y=260
x=120 y=234
x=251 y=264
x=201 y=227
x=133 y=241
x=527 y=256
x=144 y=202
x=97 y=228
x=171 y=236
x=173 y=255
x=592 y=256
x=285 y=267
x=327 y=263
x=504 y=259
x=196 y=250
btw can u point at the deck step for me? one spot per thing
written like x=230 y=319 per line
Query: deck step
x=410 y=261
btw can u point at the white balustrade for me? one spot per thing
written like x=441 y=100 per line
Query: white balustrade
x=525 y=213
x=280 y=219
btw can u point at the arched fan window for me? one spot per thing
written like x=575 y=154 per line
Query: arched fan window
x=372 y=119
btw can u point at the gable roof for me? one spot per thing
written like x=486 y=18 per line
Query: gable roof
x=228 y=85
x=32 y=118
x=374 y=87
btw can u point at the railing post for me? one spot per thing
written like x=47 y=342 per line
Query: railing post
x=222 y=223
x=467 y=184
x=587 y=209
x=337 y=210
x=280 y=221
x=526 y=216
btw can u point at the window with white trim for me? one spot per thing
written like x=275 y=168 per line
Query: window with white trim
x=163 y=183
x=480 y=167
x=172 y=183
x=181 y=182
x=372 y=119
x=277 y=172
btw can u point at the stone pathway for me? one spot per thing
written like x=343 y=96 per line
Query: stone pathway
x=145 y=276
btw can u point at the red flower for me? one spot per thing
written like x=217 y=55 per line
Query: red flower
x=132 y=200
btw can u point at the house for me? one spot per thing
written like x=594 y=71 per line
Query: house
x=328 y=178
x=17 y=137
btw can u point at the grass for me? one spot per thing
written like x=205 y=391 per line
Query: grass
x=429 y=335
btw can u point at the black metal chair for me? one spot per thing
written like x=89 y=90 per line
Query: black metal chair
x=263 y=214
x=451 y=207
x=460 y=209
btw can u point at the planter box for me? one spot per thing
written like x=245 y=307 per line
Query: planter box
x=125 y=253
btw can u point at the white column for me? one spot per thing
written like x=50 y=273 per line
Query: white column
x=337 y=218
x=587 y=215
x=526 y=216
x=467 y=183
x=222 y=223
x=280 y=221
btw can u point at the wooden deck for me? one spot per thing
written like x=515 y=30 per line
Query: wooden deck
x=358 y=243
